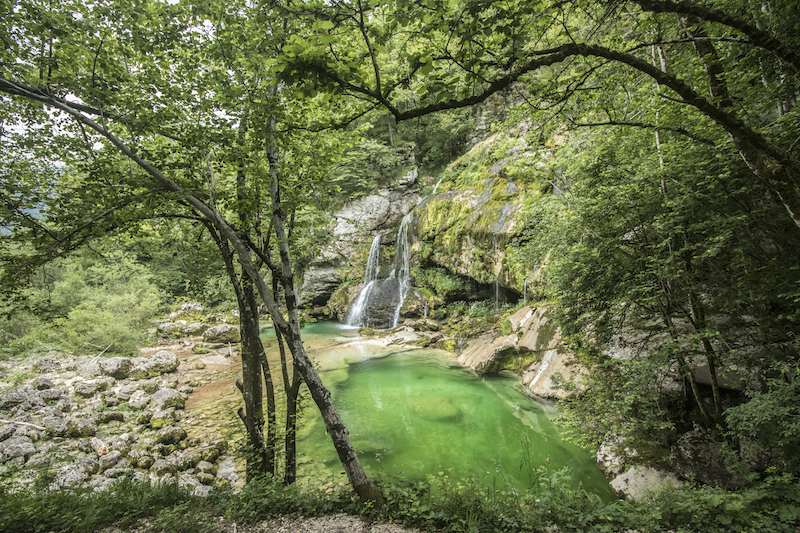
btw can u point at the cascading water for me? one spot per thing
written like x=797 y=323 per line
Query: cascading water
x=401 y=265
x=359 y=309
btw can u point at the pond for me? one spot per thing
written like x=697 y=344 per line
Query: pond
x=417 y=412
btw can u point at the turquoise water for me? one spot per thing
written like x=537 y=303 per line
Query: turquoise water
x=417 y=412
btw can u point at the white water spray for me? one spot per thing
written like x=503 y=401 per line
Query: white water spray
x=402 y=255
x=359 y=309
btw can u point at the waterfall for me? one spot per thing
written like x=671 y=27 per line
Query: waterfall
x=359 y=309
x=401 y=269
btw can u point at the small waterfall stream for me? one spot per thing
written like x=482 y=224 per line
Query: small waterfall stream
x=357 y=313
x=402 y=254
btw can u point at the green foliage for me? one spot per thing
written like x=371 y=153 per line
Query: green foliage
x=367 y=166
x=88 y=304
x=445 y=284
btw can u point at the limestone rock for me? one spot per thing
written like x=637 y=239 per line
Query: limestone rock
x=698 y=456
x=109 y=460
x=139 y=399
x=81 y=427
x=194 y=328
x=639 y=481
x=163 y=418
x=167 y=398
x=116 y=367
x=161 y=362
x=16 y=446
x=42 y=383
x=170 y=435
x=223 y=333
x=170 y=329
x=487 y=352
x=46 y=364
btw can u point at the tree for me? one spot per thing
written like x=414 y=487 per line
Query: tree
x=457 y=54
x=152 y=82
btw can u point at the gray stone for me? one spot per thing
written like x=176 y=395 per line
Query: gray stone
x=194 y=328
x=205 y=478
x=170 y=329
x=166 y=399
x=81 y=427
x=163 y=418
x=42 y=383
x=161 y=362
x=149 y=385
x=698 y=456
x=162 y=466
x=50 y=395
x=6 y=432
x=16 y=447
x=116 y=367
x=87 y=389
x=105 y=417
x=118 y=471
x=46 y=364
x=206 y=468
x=109 y=460
x=223 y=333
x=125 y=391
x=170 y=435
x=639 y=481
x=90 y=369
x=138 y=400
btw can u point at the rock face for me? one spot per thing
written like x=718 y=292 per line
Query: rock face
x=698 y=456
x=639 y=481
x=355 y=225
x=535 y=342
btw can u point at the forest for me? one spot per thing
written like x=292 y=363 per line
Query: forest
x=156 y=153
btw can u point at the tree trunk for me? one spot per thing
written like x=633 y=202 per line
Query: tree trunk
x=290 y=329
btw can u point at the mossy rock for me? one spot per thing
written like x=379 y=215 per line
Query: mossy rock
x=447 y=345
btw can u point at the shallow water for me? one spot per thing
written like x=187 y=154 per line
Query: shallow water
x=417 y=412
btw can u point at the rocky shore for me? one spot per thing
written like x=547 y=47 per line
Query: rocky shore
x=89 y=421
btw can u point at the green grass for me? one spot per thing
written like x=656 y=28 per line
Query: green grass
x=440 y=503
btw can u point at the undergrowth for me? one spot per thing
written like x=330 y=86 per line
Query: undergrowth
x=437 y=504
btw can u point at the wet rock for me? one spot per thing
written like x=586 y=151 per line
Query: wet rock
x=639 y=481
x=116 y=367
x=222 y=333
x=167 y=399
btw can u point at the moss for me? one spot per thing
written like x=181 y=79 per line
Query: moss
x=447 y=344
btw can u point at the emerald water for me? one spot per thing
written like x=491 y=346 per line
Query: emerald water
x=417 y=412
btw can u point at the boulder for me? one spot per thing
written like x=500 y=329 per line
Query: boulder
x=162 y=418
x=639 y=481
x=138 y=399
x=81 y=427
x=167 y=398
x=16 y=447
x=161 y=362
x=45 y=365
x=42 y=383
x=170 y=435
x=170 y=329
x=116 y=367
x=194 y=328
x=222 y=333
x=488 y=351
x=109 y=460
x=698 y=456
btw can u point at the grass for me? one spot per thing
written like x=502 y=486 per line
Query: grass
x=439 y=503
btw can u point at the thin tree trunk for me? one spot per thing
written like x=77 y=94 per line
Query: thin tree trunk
x=361 y=483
